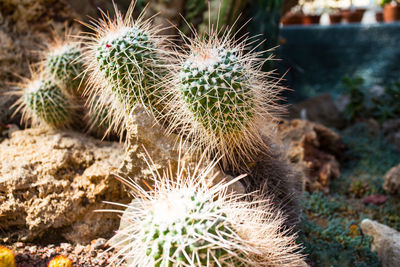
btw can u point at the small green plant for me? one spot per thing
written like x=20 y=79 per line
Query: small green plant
x=63 y=63
x=364 y=104
x=44 y=102
x=186 y=221
x=221 y=95
x=356 y=91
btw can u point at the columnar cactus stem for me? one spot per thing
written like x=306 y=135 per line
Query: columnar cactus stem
x=42 y=101
x=222 y=99
x=185 y=221
x=124 y=60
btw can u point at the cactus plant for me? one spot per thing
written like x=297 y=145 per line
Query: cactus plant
x=44 y=102
x=60 y=261
x=63 y=63
x=123 y=60
x=221 y=98
x=7 y=258
x=185 y=221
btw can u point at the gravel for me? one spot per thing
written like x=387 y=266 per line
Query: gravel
x=32 y=255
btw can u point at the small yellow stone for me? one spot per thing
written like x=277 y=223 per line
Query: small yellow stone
x=60 y=261
x=7 y=258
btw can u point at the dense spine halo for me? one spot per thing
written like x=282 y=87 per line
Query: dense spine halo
x=63 y=62
x=222 y=99
x=184 y=220
x=42 y=101
x=123 y=59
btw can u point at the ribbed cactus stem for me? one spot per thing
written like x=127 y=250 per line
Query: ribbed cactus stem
x=127 y=60
x=214 y=86
x=63 y=63
x=189 y=221
x=181 y=237
x=46 y=102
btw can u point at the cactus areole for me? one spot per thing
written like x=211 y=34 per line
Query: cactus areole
x=126 y=59
x=46 y=101
x=215 y=88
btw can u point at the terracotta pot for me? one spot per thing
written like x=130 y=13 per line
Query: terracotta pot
x=335 y=18
x=379 y=16
x=292 y=19
x=353 y=16
x=391 y=13
x=311 y=19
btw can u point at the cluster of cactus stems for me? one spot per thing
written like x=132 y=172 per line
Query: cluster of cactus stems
x=213 y=93
x=186 y=221
x=7 y=258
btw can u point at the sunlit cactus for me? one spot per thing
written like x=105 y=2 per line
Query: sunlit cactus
x=63 y=62
x=124 y=60
x=186 y=221
x=222 y=99
x=60 y=261
x=43 y=102
x=7 y=258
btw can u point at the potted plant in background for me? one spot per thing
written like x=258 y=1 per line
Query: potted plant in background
x=293 y=17
x=312 y=11
x=391 y=10
x=353 y=14
x=332 y=8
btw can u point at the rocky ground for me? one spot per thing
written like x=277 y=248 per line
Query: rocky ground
x=96 y=253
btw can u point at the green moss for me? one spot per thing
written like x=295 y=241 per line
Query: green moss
x=331 y=237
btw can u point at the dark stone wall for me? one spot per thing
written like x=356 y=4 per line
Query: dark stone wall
x=318 y=57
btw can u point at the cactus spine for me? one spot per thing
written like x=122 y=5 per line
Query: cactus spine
x=63 y=63
x=7 y=258
x=183 y=221
x=221 y=96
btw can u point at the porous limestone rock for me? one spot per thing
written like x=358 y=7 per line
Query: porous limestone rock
x=51 y=182
x=315 y=148
x=148 y=140
x=392 y=181
x=386 y=242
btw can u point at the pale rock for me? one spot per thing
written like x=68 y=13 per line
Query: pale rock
x=52 y=182
x=386 y=242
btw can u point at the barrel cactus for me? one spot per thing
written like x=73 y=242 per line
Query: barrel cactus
x=7 y=258
x=183 y=221
x=60 y=261
x=221 y=98
x=124 y=60
x=42 y=101
x=63 y=63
